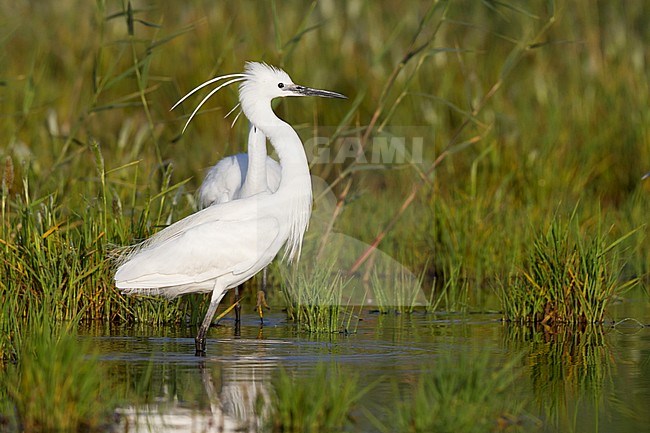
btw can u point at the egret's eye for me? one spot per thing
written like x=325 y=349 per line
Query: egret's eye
x=281 y=85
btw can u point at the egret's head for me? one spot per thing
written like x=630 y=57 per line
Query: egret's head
x=260 y=83
x=265 y=82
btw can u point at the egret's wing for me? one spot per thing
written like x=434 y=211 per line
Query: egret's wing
x=223 y=181
x=230 y=211
x=202 y=252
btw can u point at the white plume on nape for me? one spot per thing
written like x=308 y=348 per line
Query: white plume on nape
x=260 y=71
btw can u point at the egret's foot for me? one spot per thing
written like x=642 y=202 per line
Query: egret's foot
x=261 y=305
x=207 y=321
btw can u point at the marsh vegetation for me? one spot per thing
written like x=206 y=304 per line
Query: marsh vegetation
x=489 y=160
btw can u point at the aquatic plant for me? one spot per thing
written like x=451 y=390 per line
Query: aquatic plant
x=57 y=384
x=555 y=382
x=569 y=278
x=452 y=293
x=396 y=291
x=462 y=393
x=57 y=224
x=92 y=158
x=321 y=402
x=49 y=254
x=313 y=297
x=89 y=140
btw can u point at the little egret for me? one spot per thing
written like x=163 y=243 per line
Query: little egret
x=240 y=176
x=224 y=245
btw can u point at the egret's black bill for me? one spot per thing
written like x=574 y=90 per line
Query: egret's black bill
x=308 y=91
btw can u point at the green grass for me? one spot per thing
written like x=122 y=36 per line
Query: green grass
x=524 y=111
x=313 y=295
x=57 y=384
x=397 y=291
x=461 y=393
x=569 y=278
x=560 y=389
x=321 y=403
x=450 y=291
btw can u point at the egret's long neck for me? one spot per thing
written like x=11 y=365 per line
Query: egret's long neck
x=256 y=178
x=295 y=185
x=287 y=144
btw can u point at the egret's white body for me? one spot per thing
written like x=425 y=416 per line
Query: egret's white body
x=224 y=245
x=241 y=175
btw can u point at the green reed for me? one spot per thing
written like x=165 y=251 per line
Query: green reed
x=523 y=109
x=569 y=278
x=398 y=291
x=322 y=402
x=510 y=122
x=462 y=392
x=313 y=298
x=54 y=255
x=452 y=294
x=555 y=381
x=57 y=383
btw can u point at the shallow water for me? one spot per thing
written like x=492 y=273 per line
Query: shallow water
x=596 y=380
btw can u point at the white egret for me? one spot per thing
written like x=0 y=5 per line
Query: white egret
x=224 y=245
x=240 y=176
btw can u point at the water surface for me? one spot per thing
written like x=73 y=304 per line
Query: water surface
x=591 y=380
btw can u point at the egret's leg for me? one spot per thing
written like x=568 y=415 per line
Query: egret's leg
x=261 y=298
x=200 y=337
x=217 y=295
x=264 y=280
x=237 y=306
